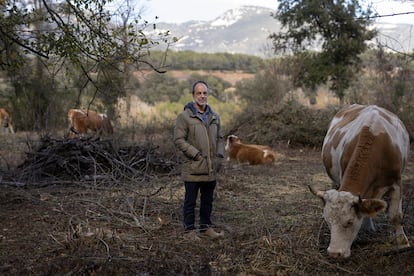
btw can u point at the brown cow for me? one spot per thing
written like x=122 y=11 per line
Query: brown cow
x=364 y=152
x=5 y=121
x=248 y=153
x=80 y=121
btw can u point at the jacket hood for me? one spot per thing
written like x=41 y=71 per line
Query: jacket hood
x=190 y=106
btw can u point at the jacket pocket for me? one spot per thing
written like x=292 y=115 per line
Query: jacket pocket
x=199 y=167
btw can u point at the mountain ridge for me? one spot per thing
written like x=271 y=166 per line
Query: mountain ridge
x=245 y=30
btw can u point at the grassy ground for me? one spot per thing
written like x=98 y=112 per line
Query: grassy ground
x=272 y=223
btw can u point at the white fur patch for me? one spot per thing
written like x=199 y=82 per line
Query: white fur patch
x=370 y=116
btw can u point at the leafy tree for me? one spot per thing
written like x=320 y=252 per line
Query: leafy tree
x=158 y=88
x=164 y=87
x=339 y=28
x=74 y=30
x=190 y=60
x=269 y=86
x=216 y=84
x=58 y=38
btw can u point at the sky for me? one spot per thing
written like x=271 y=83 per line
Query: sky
x=178 y=11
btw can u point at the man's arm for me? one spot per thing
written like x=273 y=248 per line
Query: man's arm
x=180 y=138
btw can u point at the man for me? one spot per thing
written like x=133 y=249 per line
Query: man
x=198 y=137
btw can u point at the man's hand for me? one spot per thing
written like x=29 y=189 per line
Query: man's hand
x=198 y=157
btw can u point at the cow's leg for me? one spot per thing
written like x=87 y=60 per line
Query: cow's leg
x=11 y=129
x=100 y=132
x=78 y=130
x=396 y=215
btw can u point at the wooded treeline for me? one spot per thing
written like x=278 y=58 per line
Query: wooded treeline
x=387 y=79
x=82 y=55
x=189 y=60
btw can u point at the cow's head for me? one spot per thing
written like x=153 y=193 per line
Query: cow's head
x=344 y=213
x=6 y=119
x=230 y=140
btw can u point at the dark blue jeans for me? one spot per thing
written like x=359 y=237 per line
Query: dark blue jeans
x=206 y=204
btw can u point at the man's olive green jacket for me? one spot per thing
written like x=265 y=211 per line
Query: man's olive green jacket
x=193 y=136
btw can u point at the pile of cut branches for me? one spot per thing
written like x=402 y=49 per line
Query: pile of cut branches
x=89 y=158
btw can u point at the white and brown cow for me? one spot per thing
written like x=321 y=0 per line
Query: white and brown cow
x=248 y=153
x=5 y=121
x=80 y=121
x=364 y=152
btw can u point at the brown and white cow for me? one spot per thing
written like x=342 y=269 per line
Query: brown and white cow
x=5 y=121
x=80 y=121
x=364 y=152
x=248 y=153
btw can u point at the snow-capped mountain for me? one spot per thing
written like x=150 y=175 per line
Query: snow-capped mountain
x=246 y=30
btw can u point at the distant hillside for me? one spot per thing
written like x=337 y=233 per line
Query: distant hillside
x=246 y=30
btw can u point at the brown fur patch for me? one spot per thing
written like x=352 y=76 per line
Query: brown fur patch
x=249 y=153
x=81 y=121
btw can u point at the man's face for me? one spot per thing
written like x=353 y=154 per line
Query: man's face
x=200 y=95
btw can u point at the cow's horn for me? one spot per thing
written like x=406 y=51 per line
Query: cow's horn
x=318 y=193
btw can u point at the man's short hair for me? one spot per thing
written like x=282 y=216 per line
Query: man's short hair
x=198 y=82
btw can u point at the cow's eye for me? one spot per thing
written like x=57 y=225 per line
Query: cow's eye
x=348 y=223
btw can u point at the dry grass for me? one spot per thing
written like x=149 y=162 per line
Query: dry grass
x=272 y=225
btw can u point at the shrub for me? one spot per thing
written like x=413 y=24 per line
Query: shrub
x=291 y=123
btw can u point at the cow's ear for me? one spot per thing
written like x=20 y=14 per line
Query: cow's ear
x=370 y=207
